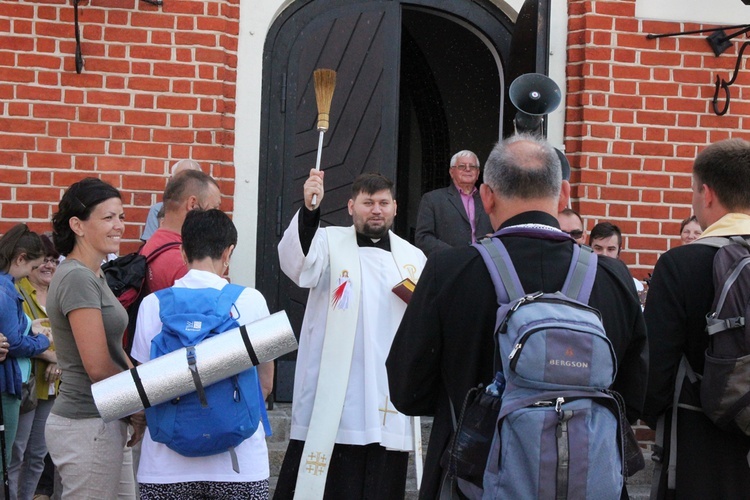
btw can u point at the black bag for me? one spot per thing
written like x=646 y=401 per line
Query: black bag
x=126 y=277
x=29 y=399
x=466 y=455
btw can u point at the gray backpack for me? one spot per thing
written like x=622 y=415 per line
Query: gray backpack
x=725 y=388
x=558 y=434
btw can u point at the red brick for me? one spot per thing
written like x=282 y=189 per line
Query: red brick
x=621 y=163
x=82 y=162
x=148 y=84
x=16 y=10
x=48 y=160
x=65 y=179
x=16 y=75
x=181 y=87
x=108 y=98
x=85 y=79
x=82 y=146
x=144 y=101
x=142 y=134
x=209 y=55
x=34 y=93
x=653 y=149
x=174 y=136
x=678 y=197
x=623 y=116
x=660 y=89
x=713 y=121
x=172 y=102
x=114 y=148
x=653 y=118
x=193 y=38
x=57 y=129
x=16 y=210
x=18 y=109
x=46 y=144
x=125 y=35
x=111 y=115
x=37 y=194
x=15 y=176
x=146 y=149
x=150 y=52
x=145 y=118
x=92 y=32
x=631 y=72
x=173 y=70
x=107 y=65
x=21 y=126
x=116 y=164
x=91 y=131
x=54 y=111
x=621 y=101
x=161 y=38
x=690 y=136
x=88 y=114
x=152 y=20
x=184 y=7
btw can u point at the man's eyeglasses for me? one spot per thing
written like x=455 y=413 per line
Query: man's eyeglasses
x=466 y=167
x=575 y=233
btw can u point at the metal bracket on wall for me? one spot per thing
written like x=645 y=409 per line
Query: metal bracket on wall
x=79 y=55
x=719 y=42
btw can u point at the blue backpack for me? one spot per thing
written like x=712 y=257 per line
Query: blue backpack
x=216 y=418
x=558 y=433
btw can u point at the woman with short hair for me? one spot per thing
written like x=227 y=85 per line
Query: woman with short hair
x=208 y=240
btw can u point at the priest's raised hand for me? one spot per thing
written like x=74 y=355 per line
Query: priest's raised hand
x=314 y=188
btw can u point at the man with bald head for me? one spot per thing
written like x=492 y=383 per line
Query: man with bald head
x=444 y=345
x=152 y=221
x=188 y=190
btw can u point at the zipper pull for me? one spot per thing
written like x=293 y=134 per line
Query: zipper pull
x=558 y=406
x=514 y=351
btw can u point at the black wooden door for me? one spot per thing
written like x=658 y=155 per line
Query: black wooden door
x=529 y=50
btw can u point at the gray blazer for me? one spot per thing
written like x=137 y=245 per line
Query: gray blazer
x=442 y=221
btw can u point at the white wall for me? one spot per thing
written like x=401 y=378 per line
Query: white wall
x=256 y=18
x=729 y=12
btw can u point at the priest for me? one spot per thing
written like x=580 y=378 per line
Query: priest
x=347 y=439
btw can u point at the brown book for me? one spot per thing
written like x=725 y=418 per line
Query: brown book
x=405 y=289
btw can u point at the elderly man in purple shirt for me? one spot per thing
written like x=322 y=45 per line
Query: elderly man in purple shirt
x=453 y=216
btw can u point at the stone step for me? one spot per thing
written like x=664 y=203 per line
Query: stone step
x=639 y=485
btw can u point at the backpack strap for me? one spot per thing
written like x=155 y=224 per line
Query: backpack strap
x=507 y=284
x=228 y=298
x=715 y=325
x=581 y=274
x=158 y=250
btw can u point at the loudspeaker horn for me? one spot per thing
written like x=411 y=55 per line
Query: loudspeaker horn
x=534 y=95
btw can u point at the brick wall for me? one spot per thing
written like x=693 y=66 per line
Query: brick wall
x=158 y=86
x=638 y=111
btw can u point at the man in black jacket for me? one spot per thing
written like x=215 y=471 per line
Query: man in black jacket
x=710 y=463
x=444 y=345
